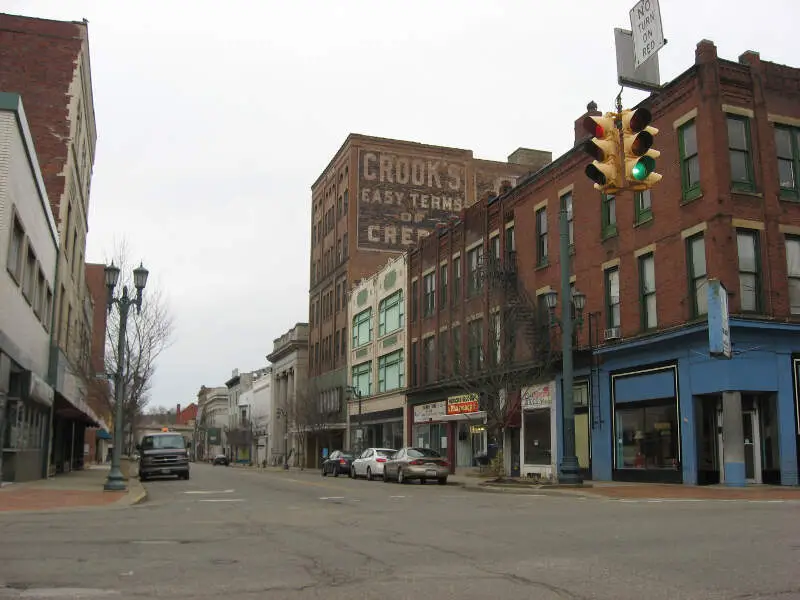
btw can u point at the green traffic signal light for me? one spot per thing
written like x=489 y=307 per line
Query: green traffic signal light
x=643 y=167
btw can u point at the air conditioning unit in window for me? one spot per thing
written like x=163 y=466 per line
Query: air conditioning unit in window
x=612 y=333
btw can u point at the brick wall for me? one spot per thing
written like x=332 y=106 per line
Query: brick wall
x=707 y=92
x=38 y=58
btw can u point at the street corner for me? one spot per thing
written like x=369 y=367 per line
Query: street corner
x=136 y=494
x=35 y=500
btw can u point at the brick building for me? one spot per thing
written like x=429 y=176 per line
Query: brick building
x=653 y=396
x=376 y=199
x=99 y=388
x=47 y=63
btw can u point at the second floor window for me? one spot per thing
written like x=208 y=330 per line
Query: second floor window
x=793 y=272
x=643 y=206
x=428 y=294
x=541 y=237
x=749 y=272
x=362 y=378
x=391 y=369
x=566 y=203
x=455 y=337
x=456 y=293
x=475 y=258
x=475 y=344
x=429 y=359
x=511 y=243
x=442 y=287
x=390 y=313
x=647 y=291
x=613 y=316
x=698 y=276
x=362 y=328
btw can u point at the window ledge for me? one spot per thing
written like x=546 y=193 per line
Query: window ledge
x=750 y=193
x=541 y=266
x=609 y=233
x=691 y=196
x=13 y=275
x=644 y=220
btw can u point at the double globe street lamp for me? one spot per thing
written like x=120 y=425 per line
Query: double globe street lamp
x=116 y=480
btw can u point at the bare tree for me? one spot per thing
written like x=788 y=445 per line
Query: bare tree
x=308 y=415
x=150 y=332
x=517 y=353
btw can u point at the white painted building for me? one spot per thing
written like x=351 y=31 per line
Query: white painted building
x=260 y=413
x=212 y=419
x=28 y=253
x=376 y=360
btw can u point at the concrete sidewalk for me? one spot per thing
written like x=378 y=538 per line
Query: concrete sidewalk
x=602 y=489
x=70 y=491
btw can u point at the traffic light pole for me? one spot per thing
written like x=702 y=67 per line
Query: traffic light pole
x=569 y=471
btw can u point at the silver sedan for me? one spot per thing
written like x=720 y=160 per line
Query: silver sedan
x=416 y=463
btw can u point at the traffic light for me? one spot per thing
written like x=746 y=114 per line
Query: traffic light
x=604 y=170
x=640 y=157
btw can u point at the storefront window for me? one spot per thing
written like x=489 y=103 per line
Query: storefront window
x=431 y=435
x=537 y=437
x=647 y=436
x=580 y=397
x=24 y=425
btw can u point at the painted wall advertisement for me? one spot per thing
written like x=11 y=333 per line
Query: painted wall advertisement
x=401 y=198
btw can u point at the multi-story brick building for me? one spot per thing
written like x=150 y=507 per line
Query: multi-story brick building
x=375 y=199
x=99 y=388
x=654 y=398
x=47 y=63
x=376 y=360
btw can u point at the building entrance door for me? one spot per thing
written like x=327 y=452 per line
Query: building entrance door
x=751 y=434
x=752 y=446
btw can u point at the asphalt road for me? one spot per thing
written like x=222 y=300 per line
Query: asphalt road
x=239 y=534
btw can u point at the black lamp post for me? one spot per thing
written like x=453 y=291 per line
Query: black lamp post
x=357 y=393
x=569 y=469
x=116 y=480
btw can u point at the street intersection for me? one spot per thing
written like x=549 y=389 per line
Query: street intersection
x=244 y=534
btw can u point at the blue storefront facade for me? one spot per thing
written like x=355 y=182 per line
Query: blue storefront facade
x=663 y=409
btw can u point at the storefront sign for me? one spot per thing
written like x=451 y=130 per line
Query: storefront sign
x=213 y=436
x=463 y=404
x=537 y=396
x=430 y=411
x=719 y=332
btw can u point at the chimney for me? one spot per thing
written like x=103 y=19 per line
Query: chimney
x=581 y=135
x=177 y=414
x=705 y=52
x=536 y=159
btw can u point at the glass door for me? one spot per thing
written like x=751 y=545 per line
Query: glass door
x=752 y=446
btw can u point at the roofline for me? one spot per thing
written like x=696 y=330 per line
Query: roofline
x=12 y=102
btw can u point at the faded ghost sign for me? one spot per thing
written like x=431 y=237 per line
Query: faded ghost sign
x=401 y=198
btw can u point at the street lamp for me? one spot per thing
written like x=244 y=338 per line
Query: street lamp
x=116 y=480
x=357 y=393
x=281 y=412
x=569 y=470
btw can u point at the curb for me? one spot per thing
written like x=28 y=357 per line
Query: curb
x=496 y=489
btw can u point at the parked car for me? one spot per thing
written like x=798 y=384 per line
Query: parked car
x=337 y=462
x=163 y=454
x=416 y=463
x=370 y=463
x=221 y=459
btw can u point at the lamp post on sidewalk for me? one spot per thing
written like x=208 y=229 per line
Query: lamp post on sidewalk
x=116 y=480
x=357 y=393
x=569 y=469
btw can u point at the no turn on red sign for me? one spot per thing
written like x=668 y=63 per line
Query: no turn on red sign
x=648 y=33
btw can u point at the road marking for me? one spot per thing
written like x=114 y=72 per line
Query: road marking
x=396 y=496
x=221 y=500
x=209 y=492
x=332 y=498
x=154 y=542
x=67 y=593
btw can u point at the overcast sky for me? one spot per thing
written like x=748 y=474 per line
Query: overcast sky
x=214 y=119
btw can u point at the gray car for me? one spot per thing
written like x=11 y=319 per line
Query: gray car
x=416 y=463
x=163 y=454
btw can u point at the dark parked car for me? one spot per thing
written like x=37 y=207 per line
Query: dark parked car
x=221 y=459
x=338 y=462
x=163 y=454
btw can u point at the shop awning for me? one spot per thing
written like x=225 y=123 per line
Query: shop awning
x=102 y=434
